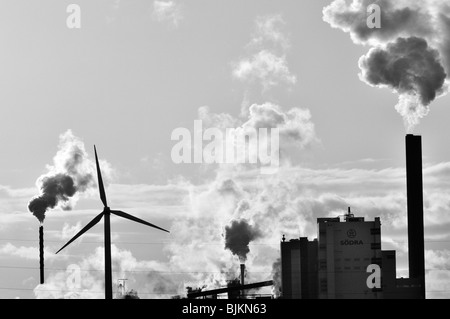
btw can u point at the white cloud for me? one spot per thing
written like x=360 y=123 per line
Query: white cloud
x=270 y=30
x=167 y=11
x=69 y=231
x=266 y=67
x=31 y=253
x=267 y=64
x=151 y=279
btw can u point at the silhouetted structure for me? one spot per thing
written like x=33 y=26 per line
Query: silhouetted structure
x=41 y=254
x=414 y=186
x=234 y=288
x=299 y=269
x=345 y=250
x=107 y=231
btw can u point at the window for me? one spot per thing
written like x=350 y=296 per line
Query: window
x=376 y=261
x=323 y=285
x=375 y=245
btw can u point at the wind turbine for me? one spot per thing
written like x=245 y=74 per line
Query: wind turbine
x=107 y=213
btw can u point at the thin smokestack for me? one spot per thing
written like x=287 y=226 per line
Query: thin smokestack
x=414 y=185
x=242 y=274
x=41 y=253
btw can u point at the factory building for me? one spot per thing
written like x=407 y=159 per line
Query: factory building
x=346 y=249
x=335 y=265
x=299 y=269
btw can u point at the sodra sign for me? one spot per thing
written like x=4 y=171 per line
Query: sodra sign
x=242 y=145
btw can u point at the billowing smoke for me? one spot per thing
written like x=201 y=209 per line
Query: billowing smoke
x=72 y=172
x=276 y=277
x=55 y=189
x=410 y=51
x=412 y=69
x=238 y=235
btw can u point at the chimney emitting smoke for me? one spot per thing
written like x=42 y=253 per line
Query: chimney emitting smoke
x=41 y=253
x=242 y=274
x=414 y=185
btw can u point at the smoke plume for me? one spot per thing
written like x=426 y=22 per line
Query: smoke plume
x=238 y=235
x=72 y=172
x=412 y=69
x=410 y=51
x=276 y=277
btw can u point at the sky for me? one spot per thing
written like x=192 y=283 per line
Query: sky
x=136 y=70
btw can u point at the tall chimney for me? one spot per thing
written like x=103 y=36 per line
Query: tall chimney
x=41 y=253
x=242 y=274
x=414 y=186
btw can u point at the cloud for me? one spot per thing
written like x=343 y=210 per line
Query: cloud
x=410 y=53
x=169 y=11
x=296 y=128
x=71 y=174
x=295 y=125
x=400 y=18
x=85 y=280
x=30 y=253
x=270 y=31
x=69 y=231
x=267 y=64
x=267 y=68
x=412 y=69
x=437 y=273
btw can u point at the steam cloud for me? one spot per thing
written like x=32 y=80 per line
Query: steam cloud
x=238 y=235
x=412 y=69
x=72 y=172
x=410 y=52
x=276 y=277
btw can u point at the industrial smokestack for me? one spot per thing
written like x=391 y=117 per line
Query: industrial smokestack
x=414 y=185
x=242 y=274
x=41 y=253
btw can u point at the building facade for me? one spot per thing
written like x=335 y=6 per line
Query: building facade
x=346 y=249
x=299 y=269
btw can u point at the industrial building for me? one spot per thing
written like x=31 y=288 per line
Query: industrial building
x=335 y=265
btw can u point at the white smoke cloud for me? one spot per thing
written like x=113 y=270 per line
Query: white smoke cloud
x=267 y=64
x=265 y=67
x=410 y=53
x=69 y=231
x=72 y=173
x=270 y=30
x=296 y=128
x=167 y=11
x=150 y=279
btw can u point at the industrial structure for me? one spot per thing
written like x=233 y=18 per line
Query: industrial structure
x=335 y=265
x=107 y=211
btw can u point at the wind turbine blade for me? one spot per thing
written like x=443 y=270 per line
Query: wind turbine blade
x=135 y=219
x=91 y=224
x=100 y=180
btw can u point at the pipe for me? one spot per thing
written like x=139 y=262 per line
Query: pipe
x=242 y=274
